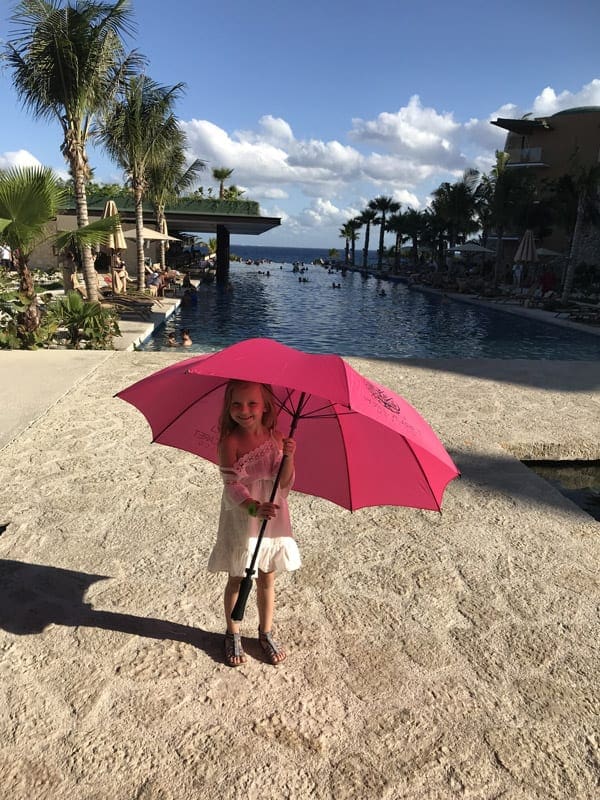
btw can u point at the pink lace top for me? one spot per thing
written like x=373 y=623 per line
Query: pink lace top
x=253 y=475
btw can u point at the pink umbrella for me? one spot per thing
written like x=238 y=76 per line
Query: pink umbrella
x=358 y=443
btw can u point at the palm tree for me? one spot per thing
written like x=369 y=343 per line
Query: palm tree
x=413 y=226
x=367 y=217
x=456 y=204
x=221 y=174
x=138 y=133
x=354 y=225
x=168 y=177
x=68 y=63
x=507 y=193
x=348 y=231
x=396 y=224
x=587 y=182
x=384 y=205
x=30 y=197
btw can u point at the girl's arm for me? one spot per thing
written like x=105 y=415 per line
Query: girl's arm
x=288 y=447
x=236 y=494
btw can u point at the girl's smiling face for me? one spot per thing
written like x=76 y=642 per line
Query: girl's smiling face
x=247 y=406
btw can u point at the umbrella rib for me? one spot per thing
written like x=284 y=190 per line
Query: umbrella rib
x=186 y=409
x=419 y=465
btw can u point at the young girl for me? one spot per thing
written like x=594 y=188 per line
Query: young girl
x=250 y=452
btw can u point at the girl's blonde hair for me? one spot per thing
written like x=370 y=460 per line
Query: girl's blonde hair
x=269 y=419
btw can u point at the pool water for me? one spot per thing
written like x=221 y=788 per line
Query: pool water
x=364 y=317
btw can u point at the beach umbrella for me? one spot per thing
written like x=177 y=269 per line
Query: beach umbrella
x=526 y=252
x=150 y=235
x=358 y=443
x=545 y=253
x=470 y=247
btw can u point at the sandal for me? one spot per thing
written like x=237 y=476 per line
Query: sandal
x=234 y=652
x=274 y=652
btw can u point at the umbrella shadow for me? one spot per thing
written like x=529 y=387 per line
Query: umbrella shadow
x=33 y=596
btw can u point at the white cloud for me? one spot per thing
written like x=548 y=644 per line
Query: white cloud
x=268 y=193
x=18 y=158
x=548 y=102
x=411 y=130
x=405 y=154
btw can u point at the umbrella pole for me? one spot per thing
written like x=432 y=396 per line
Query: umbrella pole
x=246 y=585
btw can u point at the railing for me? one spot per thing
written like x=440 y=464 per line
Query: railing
x=525 y=155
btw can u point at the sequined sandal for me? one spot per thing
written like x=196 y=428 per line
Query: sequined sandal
x=234 y=652
x=273 y=651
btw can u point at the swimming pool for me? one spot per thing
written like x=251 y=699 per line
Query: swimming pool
x=364 y=317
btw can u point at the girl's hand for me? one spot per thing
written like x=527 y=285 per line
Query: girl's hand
x=266 y=510
x=288 y=447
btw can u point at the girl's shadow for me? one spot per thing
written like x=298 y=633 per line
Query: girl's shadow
x=34 y=595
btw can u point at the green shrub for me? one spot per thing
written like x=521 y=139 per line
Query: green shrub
x=83 y=321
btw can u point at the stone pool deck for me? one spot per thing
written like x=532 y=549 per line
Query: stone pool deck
x=430 y=655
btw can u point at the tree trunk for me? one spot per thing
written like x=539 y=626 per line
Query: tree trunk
x=87 y=259
x=28 y=320
x=397 y=253
x=366 y=248
x=139 y=241
x=353 y=252
x=380 y=251
x=570 y=271
x=499 y=254
x=160 y=217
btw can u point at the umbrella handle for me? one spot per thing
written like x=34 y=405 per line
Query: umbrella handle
x=246 y=585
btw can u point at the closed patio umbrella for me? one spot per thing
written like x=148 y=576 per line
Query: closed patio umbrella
x=116 y=242
x=526 y=252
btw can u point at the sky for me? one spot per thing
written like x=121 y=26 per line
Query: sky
x=322 y=105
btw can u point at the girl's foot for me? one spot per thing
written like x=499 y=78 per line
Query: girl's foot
x=234 y=653
x=274 y=652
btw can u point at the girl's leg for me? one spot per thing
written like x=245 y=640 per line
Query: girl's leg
x=234 y=654
x=265 y=598
x=232 y=589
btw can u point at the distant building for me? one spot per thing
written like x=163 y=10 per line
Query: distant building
x=546 y=147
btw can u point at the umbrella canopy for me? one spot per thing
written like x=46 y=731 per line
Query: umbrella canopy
x=116 y=241
x=526 y=252
x=359 y=444
x=470 y=247
x=150 y=235
x=544 y=252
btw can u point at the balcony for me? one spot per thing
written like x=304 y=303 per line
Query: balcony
x=526 y=157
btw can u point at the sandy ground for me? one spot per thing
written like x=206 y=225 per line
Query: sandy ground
x=430 y=656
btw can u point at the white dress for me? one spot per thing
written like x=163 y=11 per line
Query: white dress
x=253 y=475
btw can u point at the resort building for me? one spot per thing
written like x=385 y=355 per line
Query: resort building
x=550 y=147
x=218 y=218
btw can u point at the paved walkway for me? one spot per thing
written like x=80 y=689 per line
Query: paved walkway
x=429 y=655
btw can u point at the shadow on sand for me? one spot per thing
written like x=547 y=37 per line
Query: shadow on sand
x=33 y=596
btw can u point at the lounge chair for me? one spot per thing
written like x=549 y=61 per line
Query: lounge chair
x=131 y=304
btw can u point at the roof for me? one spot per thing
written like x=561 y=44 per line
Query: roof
x=238 y=217
x=578 y=110
x=522 y=126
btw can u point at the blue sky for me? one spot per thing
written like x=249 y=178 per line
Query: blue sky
x=320 y=106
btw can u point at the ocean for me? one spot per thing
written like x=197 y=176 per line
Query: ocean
x=288 y=255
